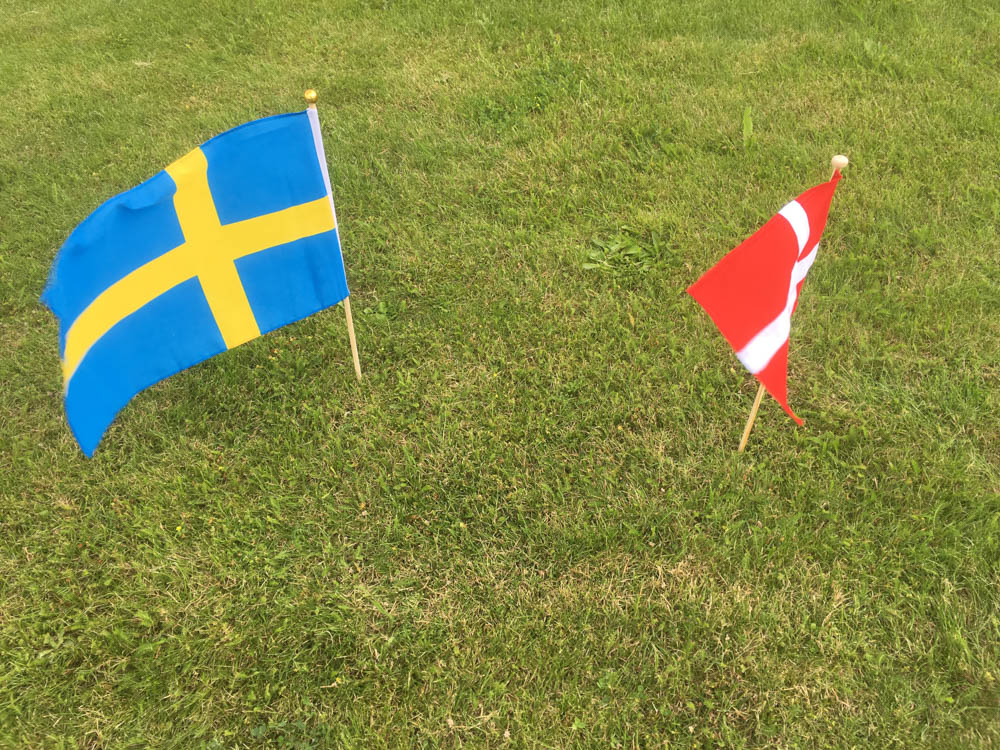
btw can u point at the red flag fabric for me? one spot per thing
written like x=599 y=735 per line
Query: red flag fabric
x=752 y=292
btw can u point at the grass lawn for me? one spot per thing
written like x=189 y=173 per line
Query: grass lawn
x=528 y=527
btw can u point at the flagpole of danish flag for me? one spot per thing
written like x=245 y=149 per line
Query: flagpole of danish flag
x=752 y=292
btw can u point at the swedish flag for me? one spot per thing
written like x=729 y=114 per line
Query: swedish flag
x=233 y=240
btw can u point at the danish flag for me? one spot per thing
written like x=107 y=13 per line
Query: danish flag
x=752 y=292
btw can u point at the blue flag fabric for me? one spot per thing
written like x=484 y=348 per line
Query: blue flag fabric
x=233 y=240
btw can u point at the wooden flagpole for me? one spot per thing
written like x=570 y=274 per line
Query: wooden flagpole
x=350 y=334
x=837 y=162
x=753 y=416
x=311 y=96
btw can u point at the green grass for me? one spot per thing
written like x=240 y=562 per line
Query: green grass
x=528 y=527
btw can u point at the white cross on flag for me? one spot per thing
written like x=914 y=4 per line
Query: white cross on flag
x=752 y=292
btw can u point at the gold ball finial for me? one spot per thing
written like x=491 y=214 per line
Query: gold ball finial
x=311 y=96
x=839 y=161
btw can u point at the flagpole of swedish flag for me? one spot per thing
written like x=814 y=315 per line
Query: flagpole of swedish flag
x=311 y=97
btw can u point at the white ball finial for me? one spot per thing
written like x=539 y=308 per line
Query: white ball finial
x=839 y=161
